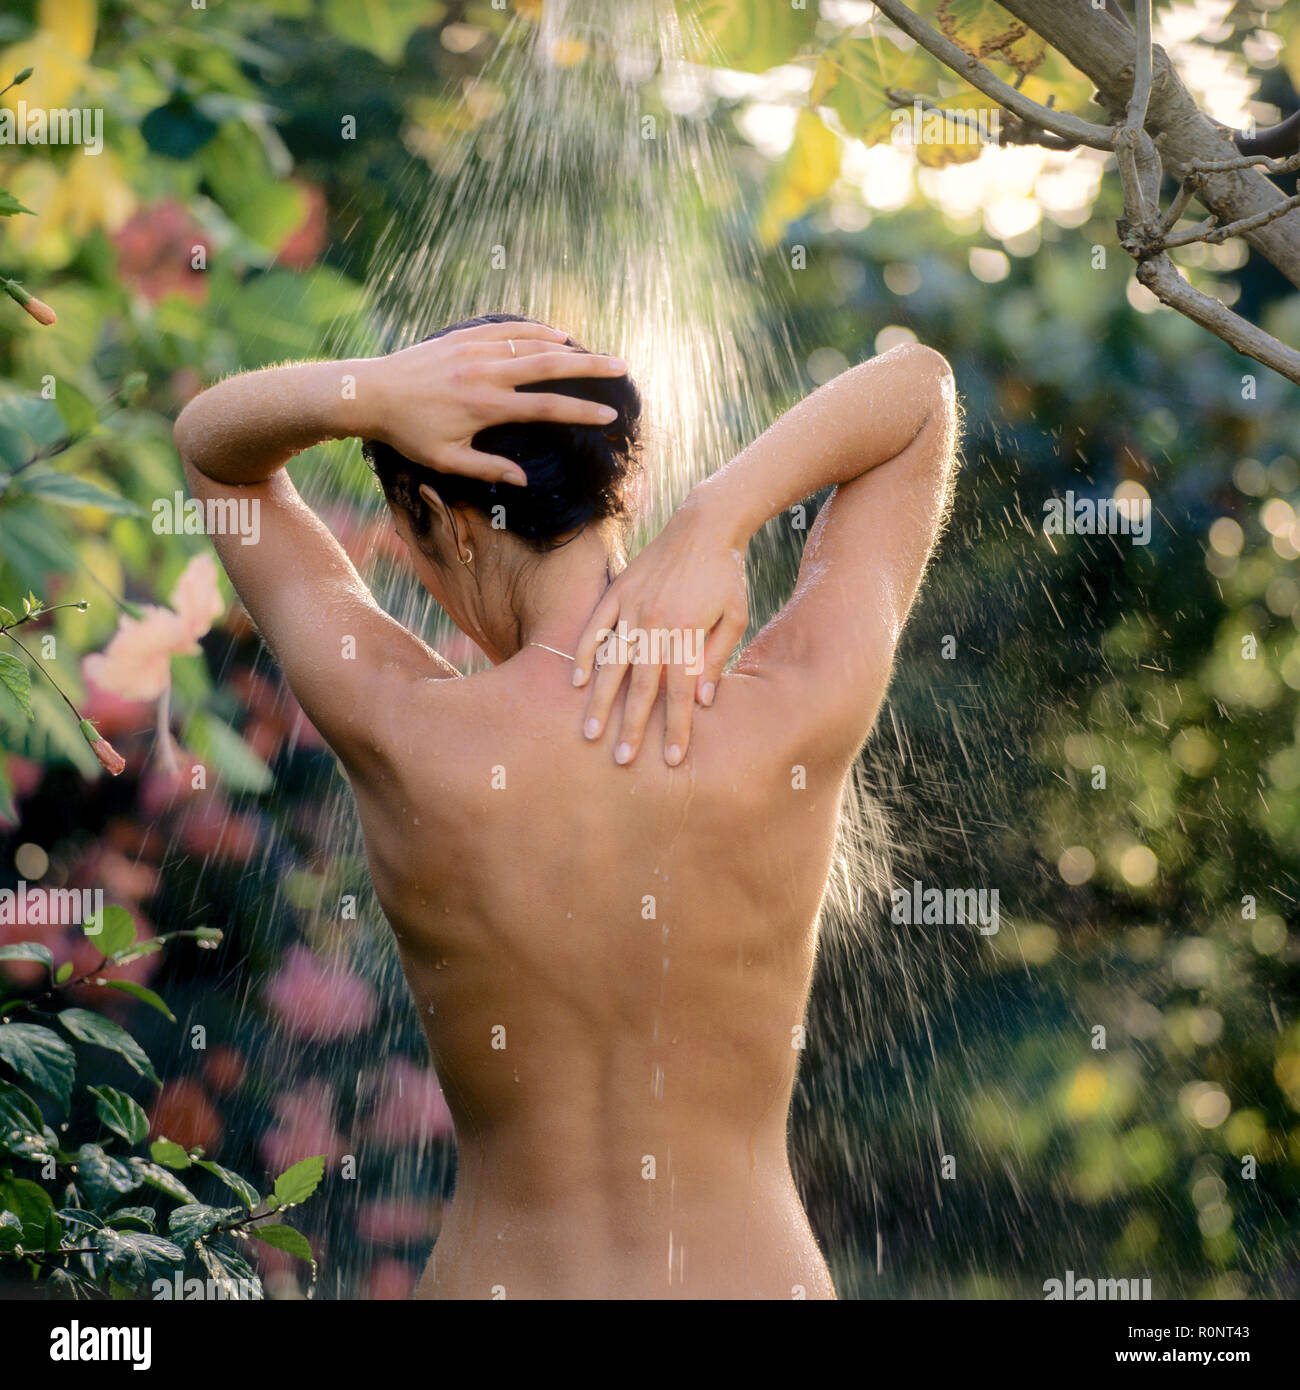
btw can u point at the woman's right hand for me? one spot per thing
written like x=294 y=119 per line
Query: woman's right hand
x=689 y=583
x=429 y=401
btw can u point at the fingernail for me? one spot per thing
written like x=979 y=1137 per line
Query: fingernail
x=618 y=364
x=624 y=754
x=591 y=728
x=516 y=476
x=608 y=413
x=674 y=755
x=707 y=692
x=579 y=675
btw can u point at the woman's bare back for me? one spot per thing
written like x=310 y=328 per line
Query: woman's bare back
x=611 y=964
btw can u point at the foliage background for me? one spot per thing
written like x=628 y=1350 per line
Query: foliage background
x=223 y=129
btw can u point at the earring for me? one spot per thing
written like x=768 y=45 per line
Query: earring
x=467 y=559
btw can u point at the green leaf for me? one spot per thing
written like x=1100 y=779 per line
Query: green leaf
x=30 y=427
x=169 y=1155
x=89 y=1027
x=133 y=1255
x=23 y=1130
x=39 y=1055
x=62 y=1284
x=115 y=931
x=164 y=1181
x=11 y=1230
x=17 y=680
x=284 y=1238
x=10 y=205
x=76 y=408
x=228 y=1270
x=31 y=1204
x=122 y=1113
x=145 y=1216
x=63 y=973
x=104 y=1177
x=28 y=950
x=197 y=1219
x=63 y=490
x=296 y=1184
x=751 y=37
x=144 y=993
x=246 y=1192
x=215 y=742
x=383 y=27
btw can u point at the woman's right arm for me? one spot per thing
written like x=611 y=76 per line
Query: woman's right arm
x=883 y=434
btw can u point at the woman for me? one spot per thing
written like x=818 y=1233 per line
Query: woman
x=611 y=954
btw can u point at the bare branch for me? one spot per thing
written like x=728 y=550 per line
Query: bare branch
x=1143 y=73
x=1160 y=275
x=1101 y=48
x=1060 y=123
x=1013 y=132
x=1212 y=231
x=1247 y=161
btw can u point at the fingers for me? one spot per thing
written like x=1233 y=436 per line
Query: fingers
x=642 y=692
x=558 y=365
x=721 y=642
x=609 y=676
x=681 y=707
x=560 y=410
x=492 y=468
x=602 y=620
x=489 y=332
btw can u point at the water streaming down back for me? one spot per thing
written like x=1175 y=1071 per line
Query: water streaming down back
x=585 y=201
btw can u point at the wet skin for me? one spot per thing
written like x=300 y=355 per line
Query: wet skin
x=611 y=962
x=611 y=965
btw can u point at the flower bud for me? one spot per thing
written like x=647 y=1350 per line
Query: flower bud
x=109 y=758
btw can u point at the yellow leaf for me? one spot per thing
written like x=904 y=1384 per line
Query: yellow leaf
x=70 y=21
x=806 y=174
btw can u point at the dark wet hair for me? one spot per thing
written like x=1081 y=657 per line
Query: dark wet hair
x=576 y=473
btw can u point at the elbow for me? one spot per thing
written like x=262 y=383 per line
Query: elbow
x=936 y=383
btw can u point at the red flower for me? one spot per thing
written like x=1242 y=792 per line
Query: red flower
x=184 y=1114
x=155 y=249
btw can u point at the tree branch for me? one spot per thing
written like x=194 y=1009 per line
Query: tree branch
x=1013 y=132
x=1103 y=50
x=1160 y=275
x=1060 y=123
x=1213 y=231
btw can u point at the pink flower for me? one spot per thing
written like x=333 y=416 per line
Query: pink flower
x=410 y=1108
x=389 y=1280
x=196 y=597
x=306 y=1128
x=395 y=1221
x=137 y=663
x=319 y=1001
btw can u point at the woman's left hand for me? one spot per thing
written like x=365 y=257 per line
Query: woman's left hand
x=685 y=591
